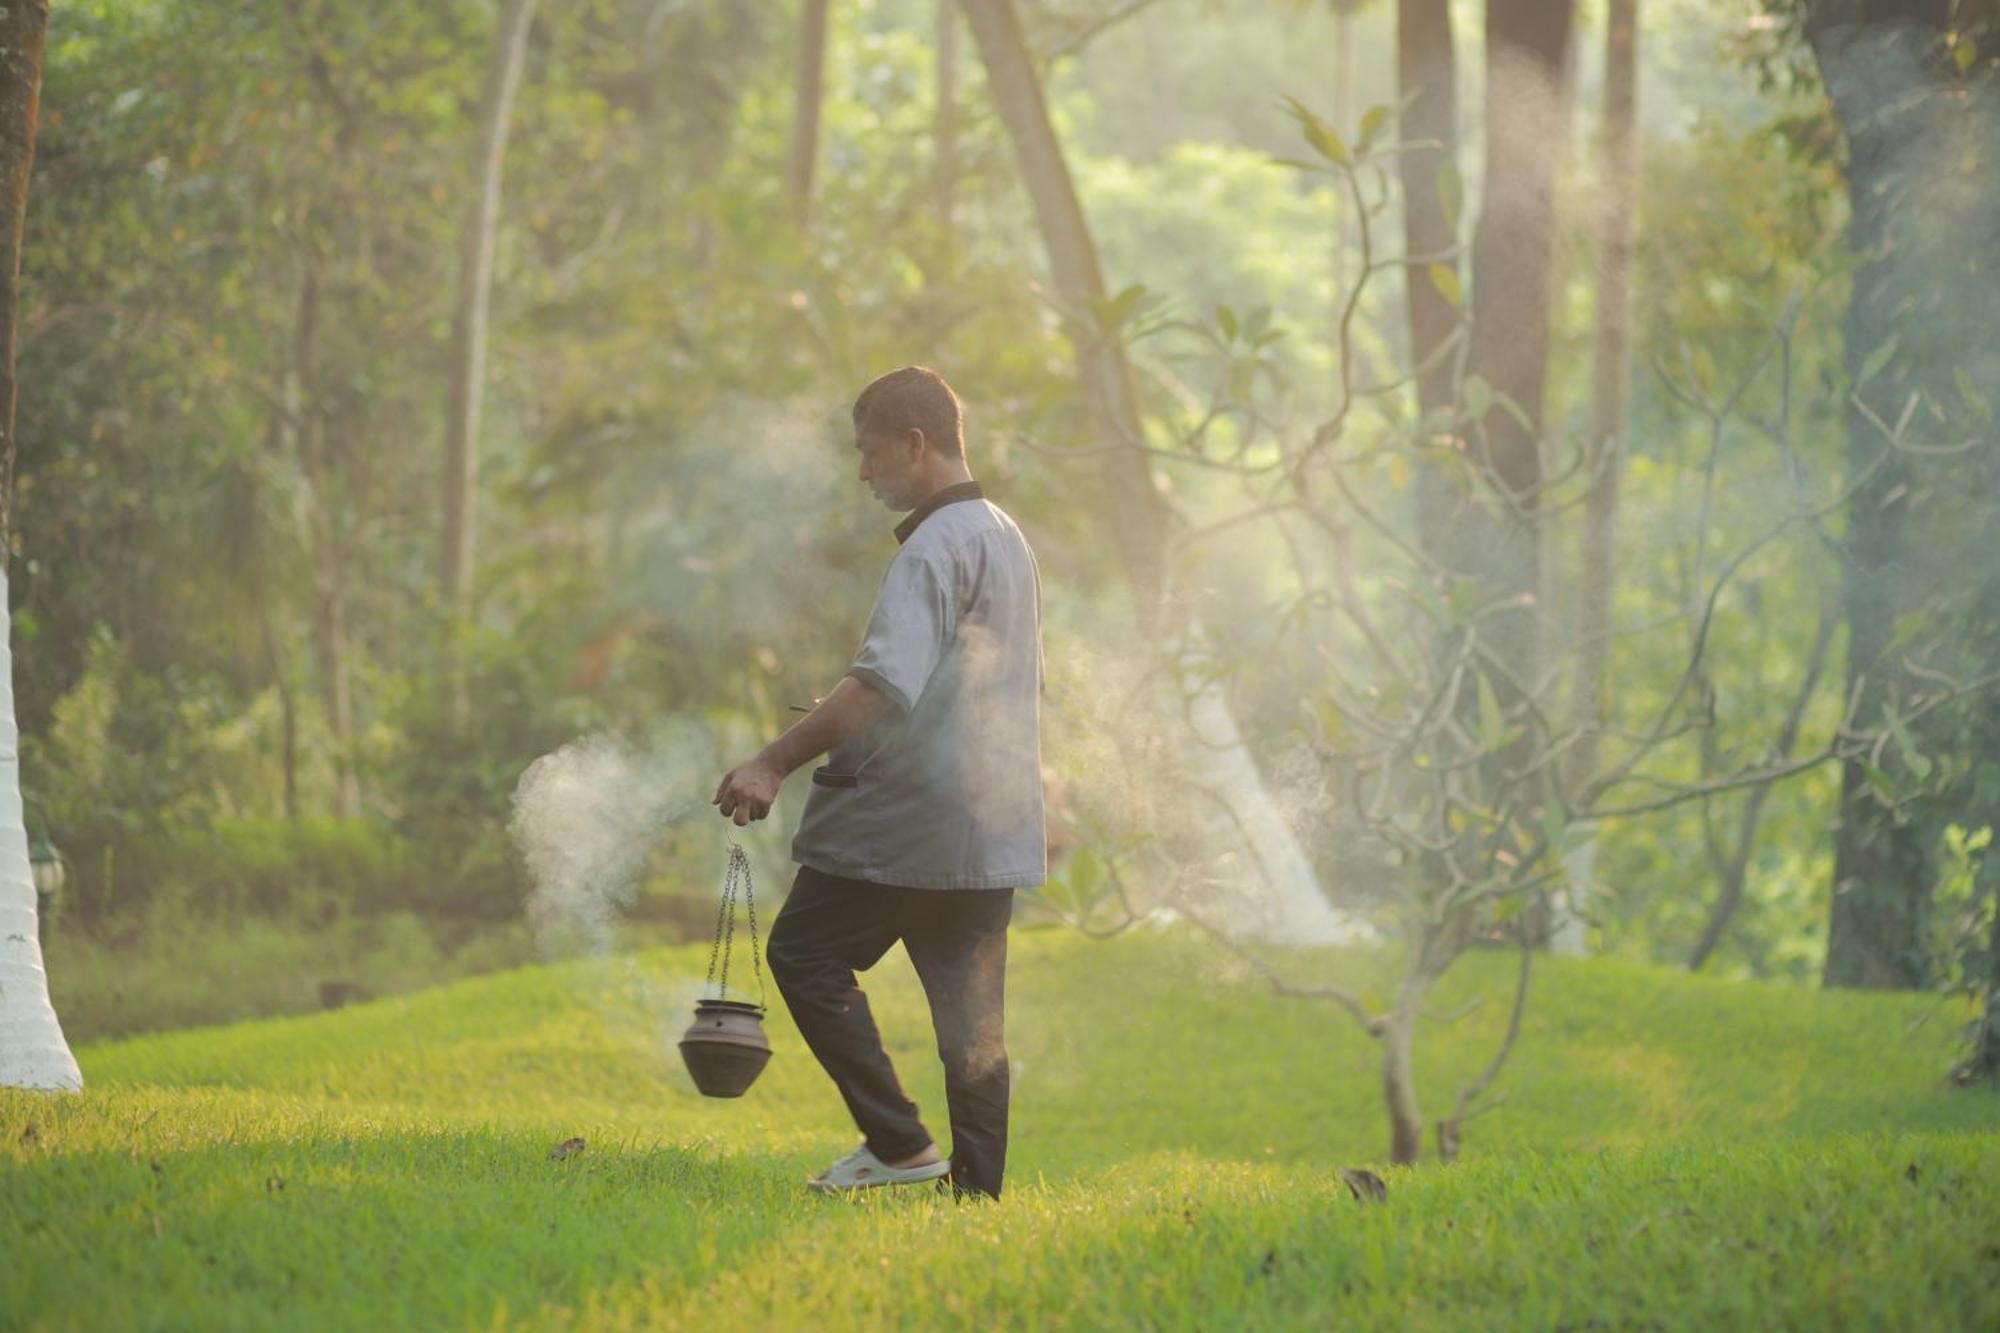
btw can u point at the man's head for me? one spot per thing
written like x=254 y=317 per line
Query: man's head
x=909 y=432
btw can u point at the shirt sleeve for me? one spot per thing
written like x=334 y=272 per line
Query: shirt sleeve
x=912 y=625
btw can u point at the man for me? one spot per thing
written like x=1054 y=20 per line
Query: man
x=928 y=813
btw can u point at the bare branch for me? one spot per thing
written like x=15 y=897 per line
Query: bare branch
x=1373 y=1024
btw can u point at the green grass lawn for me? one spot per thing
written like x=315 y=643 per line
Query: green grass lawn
x=1673 y=1152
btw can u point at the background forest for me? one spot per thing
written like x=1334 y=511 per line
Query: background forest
x=280 y=664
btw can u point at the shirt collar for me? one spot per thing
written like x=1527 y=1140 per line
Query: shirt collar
x=964 y=490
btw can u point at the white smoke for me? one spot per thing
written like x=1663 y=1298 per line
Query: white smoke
x=587 y=817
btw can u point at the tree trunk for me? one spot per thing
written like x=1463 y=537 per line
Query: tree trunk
x=1139 y=521
x=1426 y=79
x=288 y=708
x=468 y=332
x=1983 y=1063
x=329 y=630
x=305 y=431
x=1604 y=448
x=1608 y=379
x=809 y=88
x=1343 y=64
x=1527 y=44
x=23 y=28
x=944 y=132
x=1875 y=75
x=33 y=1051
x=1399 y=1076
x=1138 y=518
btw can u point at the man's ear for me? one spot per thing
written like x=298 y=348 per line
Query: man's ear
x=916 y=437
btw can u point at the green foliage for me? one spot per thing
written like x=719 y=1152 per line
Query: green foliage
x=236 y=327
x=128 y=754
x=1211 y=227
x=175 y=964
x=244 y=228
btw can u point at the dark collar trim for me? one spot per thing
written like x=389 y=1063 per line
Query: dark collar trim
x=964 y=490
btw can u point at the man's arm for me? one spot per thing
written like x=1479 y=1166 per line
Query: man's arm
x=748 y=790
x=852 y=708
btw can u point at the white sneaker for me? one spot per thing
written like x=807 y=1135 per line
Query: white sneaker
x=862 y=1169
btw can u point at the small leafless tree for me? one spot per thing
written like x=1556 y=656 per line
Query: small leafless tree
x=1461 y=772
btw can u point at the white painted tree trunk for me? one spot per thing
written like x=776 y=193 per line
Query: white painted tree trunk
x=1571 y=935
x=33 y=1053
x=1289 y=905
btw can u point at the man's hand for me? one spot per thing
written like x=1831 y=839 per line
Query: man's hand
x=747 y=791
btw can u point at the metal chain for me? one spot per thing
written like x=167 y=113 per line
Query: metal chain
x=750 y=906
x=725 y=924
x=736 y=857
x=728 y=892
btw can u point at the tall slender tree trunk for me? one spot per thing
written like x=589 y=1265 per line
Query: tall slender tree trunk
x=288 y=706
x=23 y=30
x=33 y=1051
x=1343 y=64
x=1512 y=252
x=1605 y=446
x=1983 y=1062
x=1608 y=378
x=1426 y=77
x=330 y=642
x=808 y=93
x=944 y=134
x=468 y=334
x=1982 y=808
x=305 y=431
x=1873 y=59
x=1527 y=48
x=1139 y=521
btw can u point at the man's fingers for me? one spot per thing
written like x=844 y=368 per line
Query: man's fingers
x=737 y=803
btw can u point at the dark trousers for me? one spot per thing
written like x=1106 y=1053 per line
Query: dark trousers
x=830 y=928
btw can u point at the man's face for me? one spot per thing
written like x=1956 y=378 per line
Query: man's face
x=890 y=466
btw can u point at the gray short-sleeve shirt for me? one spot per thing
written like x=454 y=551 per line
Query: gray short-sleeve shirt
x=945 y=790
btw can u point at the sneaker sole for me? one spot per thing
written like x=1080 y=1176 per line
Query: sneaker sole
x=916 y=1175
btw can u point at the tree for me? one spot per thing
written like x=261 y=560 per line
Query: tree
x=944 y=131
x=1609 y=372
x=1451 y=758
x=1492 y=529
x=469 y=319
x=808 y=88
x=1426 y=77
x=1142 y=526
x=1527 y=43
x=33 y=1053
x=1887 y=67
